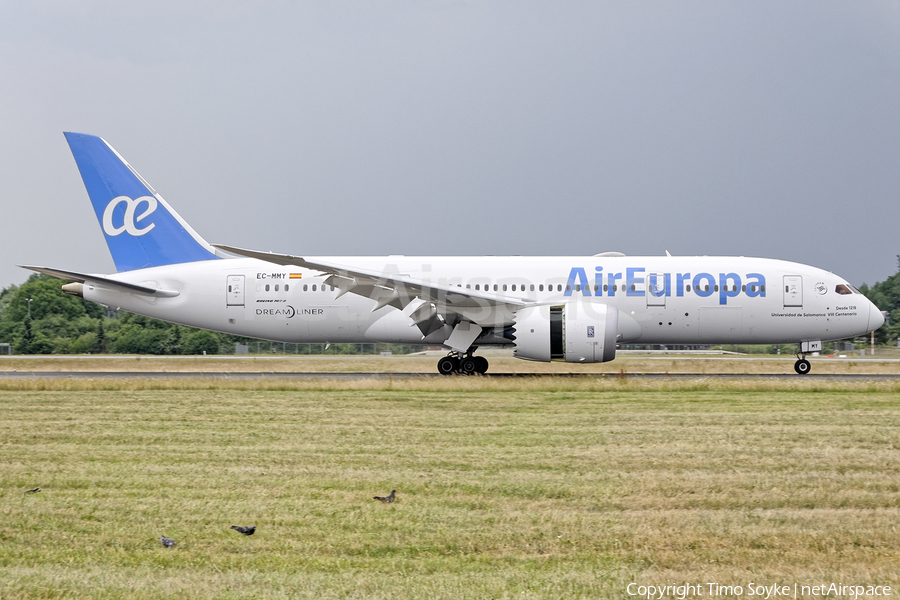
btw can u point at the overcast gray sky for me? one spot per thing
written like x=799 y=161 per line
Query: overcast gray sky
x=764 y=128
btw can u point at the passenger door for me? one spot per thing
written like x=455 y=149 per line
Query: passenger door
x=793 y=290
x=656 y=289
x=235 y=294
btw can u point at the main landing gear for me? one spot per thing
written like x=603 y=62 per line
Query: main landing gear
x=466 y=364
x=802 y=365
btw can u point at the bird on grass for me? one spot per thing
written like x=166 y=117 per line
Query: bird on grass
x=244 y=530
x=387 y=499
x=167 y=542
x=34 y=491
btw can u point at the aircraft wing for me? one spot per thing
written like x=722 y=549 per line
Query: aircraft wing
x=430 y=298
x=103 y=280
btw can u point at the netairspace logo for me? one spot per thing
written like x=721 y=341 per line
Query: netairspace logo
x=756 y=590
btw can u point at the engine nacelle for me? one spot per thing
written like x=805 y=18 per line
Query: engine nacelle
x=581 y=332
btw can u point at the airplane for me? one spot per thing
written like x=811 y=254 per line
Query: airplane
x=575 y=309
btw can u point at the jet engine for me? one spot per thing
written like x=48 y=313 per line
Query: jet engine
x=580 y=332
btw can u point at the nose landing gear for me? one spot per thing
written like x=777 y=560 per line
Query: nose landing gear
x=467 y=364
x=802 y=365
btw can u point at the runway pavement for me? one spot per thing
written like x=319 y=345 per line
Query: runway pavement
x=385 y=376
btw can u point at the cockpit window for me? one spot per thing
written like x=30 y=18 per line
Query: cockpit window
x=842 y=289
x=853 y=289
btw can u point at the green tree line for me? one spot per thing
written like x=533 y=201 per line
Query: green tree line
x=39 y=318
x=886 y=296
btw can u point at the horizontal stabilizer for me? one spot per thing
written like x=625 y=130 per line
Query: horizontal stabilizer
x=105 y=281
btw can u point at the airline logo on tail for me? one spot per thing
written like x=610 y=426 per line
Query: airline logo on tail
x=125 y=203
x=129 y=220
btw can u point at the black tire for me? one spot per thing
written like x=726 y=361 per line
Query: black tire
x=448 y=365
x=481 y=365
x=802 y=366
x=468 y=365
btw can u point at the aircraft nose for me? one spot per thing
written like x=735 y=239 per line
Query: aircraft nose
x=876 y=318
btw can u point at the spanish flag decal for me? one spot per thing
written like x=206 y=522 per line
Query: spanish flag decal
x=296 y=276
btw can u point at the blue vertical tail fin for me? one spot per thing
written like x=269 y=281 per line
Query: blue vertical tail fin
x=141 y=229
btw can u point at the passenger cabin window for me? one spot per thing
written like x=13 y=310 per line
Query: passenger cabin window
x=842 y=289
x=314 y=287
x=267 y=287
x=532 y=287
x=541 y=288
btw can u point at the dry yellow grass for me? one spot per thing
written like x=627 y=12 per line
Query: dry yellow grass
x=507 y=488
x=436 y=384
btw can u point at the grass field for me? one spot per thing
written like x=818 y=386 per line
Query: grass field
x=506 y=489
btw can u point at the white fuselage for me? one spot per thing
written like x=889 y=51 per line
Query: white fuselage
x=660 y=300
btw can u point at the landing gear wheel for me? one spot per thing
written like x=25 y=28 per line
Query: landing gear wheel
x=481 y=364
x=448 y=365
x=802 y=366
x=468 y=365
